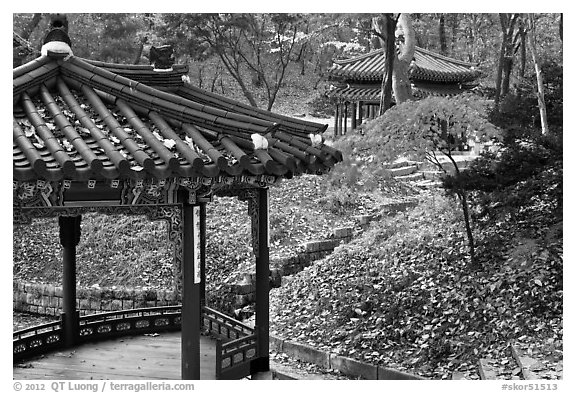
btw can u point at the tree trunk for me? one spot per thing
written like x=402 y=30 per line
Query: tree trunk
x=471 y=246
x=386 y=27
x=522 y=53
x=442 y=35
x=140 y=49
x=400 y=79
x=536 y=61
x=507 y=23
x=506 y=72
x=29 y=28
x=499 y=70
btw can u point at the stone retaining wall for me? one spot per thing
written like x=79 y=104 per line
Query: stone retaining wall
x=46 y=299
x=245 y=290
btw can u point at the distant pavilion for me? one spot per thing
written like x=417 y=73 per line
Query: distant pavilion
x=357 y=83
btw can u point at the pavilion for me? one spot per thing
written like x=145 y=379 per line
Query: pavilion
x=90 y=136
x=358 y=80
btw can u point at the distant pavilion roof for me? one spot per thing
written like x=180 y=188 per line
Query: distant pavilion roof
x=82 y=120
x=360 y=77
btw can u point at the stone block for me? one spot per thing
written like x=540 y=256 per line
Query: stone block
x=306 y=353
x=126 y=304
x=122 y=293
x=385 y=373
x=243 y=288
x=353 y=367
x=363 y=219
x=45 y=301
x=58 y=292
x=242 y=300
x=54 y=302
x=48 y=290
x=106 y=305
x=171 y=296
x=276 y=344
x=116 y=305
x=82 y=293
x=311 y=246
x=95 y=304
x=343 y=232
x=138 y=303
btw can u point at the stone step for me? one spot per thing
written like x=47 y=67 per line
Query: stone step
x=528 y=364
x=402 y=171
x=486 y=369
x=402 y=163
x=428 y=183
x=432 y=175
x=411 y=177
x=457 y=375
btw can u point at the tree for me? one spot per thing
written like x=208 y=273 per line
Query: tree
x=538 y=71
x=252 y=47
x=429 y=129
x=508 y=25
x=384 y=28
x=396 y=34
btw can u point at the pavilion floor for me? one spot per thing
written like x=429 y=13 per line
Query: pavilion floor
x=124 y=358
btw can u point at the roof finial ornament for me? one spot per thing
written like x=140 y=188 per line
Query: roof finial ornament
x=57 y=42
x=162 y=57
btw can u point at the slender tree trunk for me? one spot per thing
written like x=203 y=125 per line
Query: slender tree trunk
x=507 y=23
x=561 y=27
x=498 y=82
x=463 y=197
x=442 y=35
x=138 y=56
x=471 y=246
x=506 y=72
x=539 y=79
x=522 y=53
x=401 y=84
x=386 y=27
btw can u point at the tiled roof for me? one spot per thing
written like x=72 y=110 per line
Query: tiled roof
x=84 y=120
x=356 y=93
x=371 y=92
x=427 y=66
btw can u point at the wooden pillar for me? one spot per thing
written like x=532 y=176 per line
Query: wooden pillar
x=69 y=238
x=353 y=125
x=345 y=117
x=360 y=112
x=262 y=283
x=336 y=114
x=340 y=128
x=202 y=257
x=191 y=278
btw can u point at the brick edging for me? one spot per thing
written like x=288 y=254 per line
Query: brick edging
x=345 y=365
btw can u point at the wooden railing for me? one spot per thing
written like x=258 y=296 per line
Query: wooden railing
x=145 y=320
x=233 y=358
x=223 y=326
x=236 y=345
x=36 y=340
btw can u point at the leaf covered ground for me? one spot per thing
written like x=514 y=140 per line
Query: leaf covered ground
x=401 y=295
x=404 y=295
